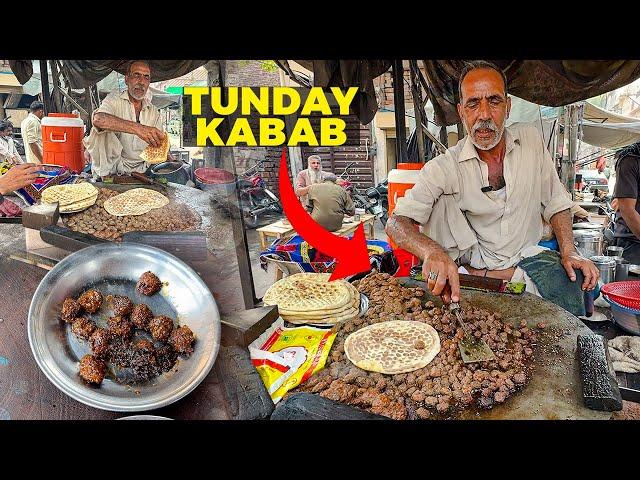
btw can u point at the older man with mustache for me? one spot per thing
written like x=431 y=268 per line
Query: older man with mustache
x=481 y=204
x=124 y=125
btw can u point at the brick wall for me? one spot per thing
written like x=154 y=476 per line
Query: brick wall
x=248 y=73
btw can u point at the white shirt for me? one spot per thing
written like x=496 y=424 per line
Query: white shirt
x=8 y=150
x=31 y=131
x=501 y=227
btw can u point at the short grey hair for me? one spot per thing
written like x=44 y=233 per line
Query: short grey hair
x=479 y=65
x=314 y=157
x=133 y=62
x=330 y=177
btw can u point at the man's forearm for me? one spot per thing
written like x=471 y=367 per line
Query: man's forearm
x=301 y=191
x=404 y=233
x=632 y=219
x=35 y=148
x=562 y=228
x=106 y=121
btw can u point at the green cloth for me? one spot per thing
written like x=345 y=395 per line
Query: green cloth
x=548 y=274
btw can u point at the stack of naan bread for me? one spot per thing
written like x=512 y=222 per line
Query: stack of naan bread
x=71 y=198
x=136 y=201
x=311 y=298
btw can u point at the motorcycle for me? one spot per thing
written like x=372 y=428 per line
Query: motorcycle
x=255 y=198
x=374 y=199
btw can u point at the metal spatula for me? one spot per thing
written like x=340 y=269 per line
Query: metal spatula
x=472 y=349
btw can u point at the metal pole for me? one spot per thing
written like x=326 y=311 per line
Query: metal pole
x=568 y=170
x=417 y=108
x=398 y=100
x=44 y=81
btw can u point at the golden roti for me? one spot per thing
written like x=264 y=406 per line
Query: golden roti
x=137 y=201
x=68 y=194
x=79 y=206
x=308 y=292
x=157 y=154
x=398 y=346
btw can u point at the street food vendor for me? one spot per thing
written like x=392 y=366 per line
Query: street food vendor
x=124 y=125
x=482 y=202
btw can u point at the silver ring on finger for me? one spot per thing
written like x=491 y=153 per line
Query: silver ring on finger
x=433 y=276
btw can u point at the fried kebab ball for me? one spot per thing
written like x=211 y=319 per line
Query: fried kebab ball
x=160 y=328
x=141 y=316
x=122 y=305
x=99 y=342
x=120 y=327
x=91 y=300
x=148 y=284
x=182 y=339
x=144 y=344
x=83 y=327
x=70 y=310
x=92 y=369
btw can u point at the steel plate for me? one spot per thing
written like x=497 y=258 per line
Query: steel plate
x=115 y=268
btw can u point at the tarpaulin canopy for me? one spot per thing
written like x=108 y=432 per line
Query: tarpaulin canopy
x=606 y=129
x=84 y=73
x=544 y=82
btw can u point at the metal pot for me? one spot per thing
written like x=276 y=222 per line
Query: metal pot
x=588 y=226
x=606 y=266
x=622 y=269
x=176 y=172
x=588 y=242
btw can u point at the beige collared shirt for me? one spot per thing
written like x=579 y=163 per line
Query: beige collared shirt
x=31 y=131
x=124 y=157
x=496 y=230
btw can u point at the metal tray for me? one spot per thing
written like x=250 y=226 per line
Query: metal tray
x=115 y=268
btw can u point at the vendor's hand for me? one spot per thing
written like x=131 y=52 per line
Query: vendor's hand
x=17 y=177
x=151 y=135
x=439 y=270
x=591 y=274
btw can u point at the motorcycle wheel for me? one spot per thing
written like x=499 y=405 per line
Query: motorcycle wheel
x=250 y=219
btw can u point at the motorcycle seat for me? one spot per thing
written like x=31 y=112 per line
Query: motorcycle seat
x=244 y=184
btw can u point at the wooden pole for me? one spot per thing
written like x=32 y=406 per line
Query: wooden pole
x=417 y=108
x=44 y=82
x=398 y=100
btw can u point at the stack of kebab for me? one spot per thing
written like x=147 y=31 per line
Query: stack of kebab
x=311 y=298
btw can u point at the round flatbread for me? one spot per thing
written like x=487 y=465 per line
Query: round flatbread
x=137 y=201
x=398 y=346
x=307 y=292
x=68 y=194
x=79 y=206
x=159 y=154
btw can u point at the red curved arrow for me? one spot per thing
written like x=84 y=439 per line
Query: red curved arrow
x=351 y=255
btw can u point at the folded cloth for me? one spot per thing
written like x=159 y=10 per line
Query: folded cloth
x=49 y=175
x=550 y=277
x=625 y=354
x=308 y=259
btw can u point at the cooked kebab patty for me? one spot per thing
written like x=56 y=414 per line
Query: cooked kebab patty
x=144 y=344
x=182 y=339
x=70 y=310
x=141 y=316
x=149 y=284
x=166 y=357
x=160 y=328
x=83 y=327
x=120 y=327
x=121 y=305
x=91 y=300
x=92 y=369
x=99 y=342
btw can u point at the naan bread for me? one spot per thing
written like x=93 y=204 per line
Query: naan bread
x=68 y=194
x=157 y=154
x=137 y=201
x=307 y=292
x=79 y=206
x=398 y=346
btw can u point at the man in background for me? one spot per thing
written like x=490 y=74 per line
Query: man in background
x=330 y=203
x=627 y=188
x=31 y=131
x=8 y=151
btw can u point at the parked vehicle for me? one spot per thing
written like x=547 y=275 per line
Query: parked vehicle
x=256 y=200
x=373 y=200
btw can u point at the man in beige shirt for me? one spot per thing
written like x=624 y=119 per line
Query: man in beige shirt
x=124 y=124
x=482 y=202
x=31 y=132
x=330 y=203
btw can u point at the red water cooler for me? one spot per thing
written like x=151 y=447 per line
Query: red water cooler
x=402 y=179
x=62 y=135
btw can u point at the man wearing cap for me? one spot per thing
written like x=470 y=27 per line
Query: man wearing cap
x=481 y=204
x=124 y=125
x=330 y=203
